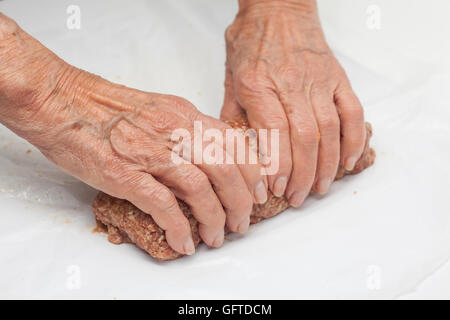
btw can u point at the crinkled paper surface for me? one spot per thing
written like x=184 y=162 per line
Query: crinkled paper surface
x=382 y=234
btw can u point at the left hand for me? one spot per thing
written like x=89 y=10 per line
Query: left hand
x=282 y=73
x=121 y=141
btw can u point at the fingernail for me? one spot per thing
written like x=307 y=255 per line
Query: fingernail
x=219 y=239
x=297 y=199
x=189 y=247
x=350 y=163
x=261 y=193
x=324 y=185
x=243 y=226
x=280 y=186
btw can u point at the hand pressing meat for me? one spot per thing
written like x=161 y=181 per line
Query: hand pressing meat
x=118 y=140
x=127 y=224
x=282 y=73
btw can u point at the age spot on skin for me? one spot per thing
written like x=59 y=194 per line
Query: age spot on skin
x=77 y=126
x=8 y=27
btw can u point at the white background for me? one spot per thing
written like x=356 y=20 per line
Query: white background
x=382 y=234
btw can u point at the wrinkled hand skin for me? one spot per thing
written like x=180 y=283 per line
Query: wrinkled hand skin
x=117 y=140
x=282 y=73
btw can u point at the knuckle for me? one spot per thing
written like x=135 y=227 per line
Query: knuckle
x=329 y=125
x=215 y=219
x=181 y=102
x=329 y=167
x=277 y=121
x=309 y=135
x=229 y=171
x=295 y=117
x=179 y=224
x=354 y=114
x=196 y=182
x=161 y=196
x=113 y=171
x=127 y=182
x=230 y=34
x=355 y=143
x=163 y=120
x=271 y=118
x=250 y=81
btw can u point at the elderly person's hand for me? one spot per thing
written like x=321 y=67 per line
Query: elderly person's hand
x=281 y=71
x=118 y=140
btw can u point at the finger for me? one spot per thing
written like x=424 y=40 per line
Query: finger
x=264 y=111
x=353 y=130
x=329 y=144
x=240 y=147
x=305 y=145
x=253 y=173
x=232 y=191
x=157 y=200
x=230 y=108
x=192 y=186
x=224 y=174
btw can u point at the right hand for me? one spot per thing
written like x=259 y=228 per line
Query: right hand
x=118 y=140
x=282 y=73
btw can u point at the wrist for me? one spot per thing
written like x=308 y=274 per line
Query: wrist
x=30 y=76
x=302 y=13
x=28 y=70
x=296 y=19
x=306 y=7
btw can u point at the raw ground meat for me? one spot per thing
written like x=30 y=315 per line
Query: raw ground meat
x=125 y=223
